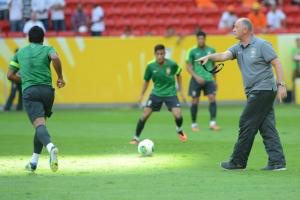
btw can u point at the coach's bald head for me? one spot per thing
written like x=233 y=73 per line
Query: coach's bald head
x=242 y=28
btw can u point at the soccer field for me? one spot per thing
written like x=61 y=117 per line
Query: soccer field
x=97 y=161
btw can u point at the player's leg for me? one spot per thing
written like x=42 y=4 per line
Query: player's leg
x=11 y=97
x=194 y=112
x=173 y=105
x=259 y=104
x=20 y=99
x=37 y=150
x=213 y=112
x=153 y=104
x=272 y=143
x=141 y=124
x=179 y=121
x=210 y=92
x=38 y=101
x=194 y=92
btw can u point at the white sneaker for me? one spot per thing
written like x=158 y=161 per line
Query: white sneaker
x=53 y=161
x=195 y=127
x=31 y=167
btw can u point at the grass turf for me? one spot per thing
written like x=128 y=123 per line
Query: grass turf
x=96 y=161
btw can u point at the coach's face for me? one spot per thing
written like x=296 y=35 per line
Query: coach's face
x=239 y=30
x=160 y=56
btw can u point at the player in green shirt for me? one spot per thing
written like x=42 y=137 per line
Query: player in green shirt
x=163 y=73
x=202 y=80
x=31 y=67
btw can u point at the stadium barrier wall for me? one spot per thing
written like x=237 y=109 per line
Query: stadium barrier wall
x=110 y=70
x=297 y=91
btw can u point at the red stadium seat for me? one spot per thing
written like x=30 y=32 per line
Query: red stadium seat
x=4 y=25
x=83 y=34
x=115 y=33
x=157 y=15
x=51 y=34
x=66 y=34
x=157 y=24
x=131 y=13
x=123 y=23
x=115 y=13
x=146 y=12
x=3 y=35
x=15 y=34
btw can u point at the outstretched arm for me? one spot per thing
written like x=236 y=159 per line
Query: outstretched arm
x=58 y=69
x=281 y=93
x=216 y=57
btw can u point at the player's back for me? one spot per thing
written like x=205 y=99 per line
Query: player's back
x=34 y=64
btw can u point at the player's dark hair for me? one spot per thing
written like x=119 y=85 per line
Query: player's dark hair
x=201 y=33
x=36 y=35
x=159 y=47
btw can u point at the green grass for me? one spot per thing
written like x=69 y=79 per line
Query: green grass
x=96 y=161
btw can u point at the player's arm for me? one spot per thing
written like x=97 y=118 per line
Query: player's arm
x=147 y=78
x=180 y=88
x=58 y=69
x=281 y=93
x=13 y=69
x=190 y=60
x=193 y=74
x=216 y=57
x=144 y=89
x=13 y=76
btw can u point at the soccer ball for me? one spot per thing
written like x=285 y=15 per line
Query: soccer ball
x=146 y=147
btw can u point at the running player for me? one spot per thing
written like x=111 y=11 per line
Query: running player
x=31 y=67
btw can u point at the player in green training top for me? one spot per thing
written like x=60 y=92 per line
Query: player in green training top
x=31 y=67
x=202 y=80
x=163 y=72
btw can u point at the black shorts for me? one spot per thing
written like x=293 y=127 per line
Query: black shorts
x=155 y=102
x=38 y=101
x=209 y=87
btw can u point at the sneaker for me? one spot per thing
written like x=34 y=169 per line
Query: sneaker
x=53 y=161
x=274 y=168
x=183 y=137
x=214 y=127
x=134 y=141
x=195 y=127
x=31 y=167
x=232 y=166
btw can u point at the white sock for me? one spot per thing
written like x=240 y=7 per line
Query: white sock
x=194 y=125
x=49 y=147
x=136 y=138
x=35 y=158
x=212 y=123
x=179 y=129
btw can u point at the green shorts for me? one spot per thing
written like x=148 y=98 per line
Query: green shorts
x=38 y=101
x=156 y=102
x=209 y=87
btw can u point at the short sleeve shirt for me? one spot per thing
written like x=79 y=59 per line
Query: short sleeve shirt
x=254 y=61
x=163 y=77
x=196 y=53
x=33 y=64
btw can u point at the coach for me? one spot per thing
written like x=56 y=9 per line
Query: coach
x=255 y=57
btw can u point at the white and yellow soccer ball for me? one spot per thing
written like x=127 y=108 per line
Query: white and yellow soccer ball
x=146 y=147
